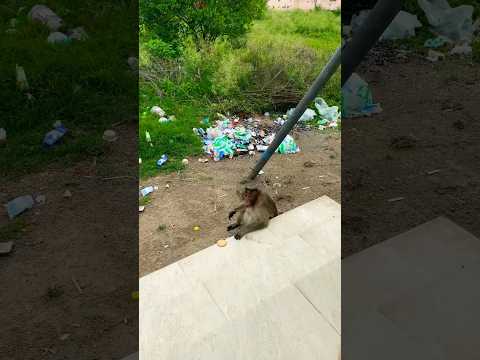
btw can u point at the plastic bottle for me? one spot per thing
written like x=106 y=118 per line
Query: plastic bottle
x=162 y=160
x=53 y=136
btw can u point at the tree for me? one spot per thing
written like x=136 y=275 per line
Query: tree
x=204 y=20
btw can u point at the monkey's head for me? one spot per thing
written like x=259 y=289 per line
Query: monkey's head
x=250 y=194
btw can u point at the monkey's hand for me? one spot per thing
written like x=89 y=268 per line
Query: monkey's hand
x=232 y=227
x=230 y=214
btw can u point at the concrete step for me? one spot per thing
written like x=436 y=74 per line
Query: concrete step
x=414 y=296
x=215 y=291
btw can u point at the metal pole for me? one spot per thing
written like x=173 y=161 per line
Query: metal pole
x=374 y=26
x=318 y=84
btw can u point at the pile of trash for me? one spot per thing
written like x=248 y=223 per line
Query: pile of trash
x=232 y=136
x=451 y=27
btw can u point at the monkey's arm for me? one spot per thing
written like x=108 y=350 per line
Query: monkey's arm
x=234 y=211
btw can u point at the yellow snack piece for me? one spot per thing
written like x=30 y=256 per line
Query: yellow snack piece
x=222 y=243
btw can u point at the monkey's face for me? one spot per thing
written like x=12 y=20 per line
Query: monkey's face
x=250 y=197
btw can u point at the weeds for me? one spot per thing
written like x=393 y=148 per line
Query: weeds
x=86 y=85
x=269 y=69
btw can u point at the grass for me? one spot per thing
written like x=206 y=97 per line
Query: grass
x=269 y=69
x=86 y=85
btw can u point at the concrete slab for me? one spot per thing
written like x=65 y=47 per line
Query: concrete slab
x=322 y=289
x=282 y=327
x=203 y=306
x=421 y=288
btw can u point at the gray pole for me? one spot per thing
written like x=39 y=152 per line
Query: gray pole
x=368 y=34
x=321 y=80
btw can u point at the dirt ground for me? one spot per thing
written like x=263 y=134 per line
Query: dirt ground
x=72 y=272
x=423 y=148
x=203 y=194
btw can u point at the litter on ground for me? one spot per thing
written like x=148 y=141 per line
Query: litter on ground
x=110 y=136
x=230 y=137
x=54 y=136
x=357 y=98
x=162 y=160
x=46 y=16
x=19 y=205
x=146 y=191
x=6 y=247
x=434 y=55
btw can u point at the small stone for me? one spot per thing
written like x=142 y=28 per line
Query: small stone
x=67 y=194
x=141 y=208
x=185 y=161
x=196 y=228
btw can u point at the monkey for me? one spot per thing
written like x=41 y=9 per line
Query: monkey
x=254 y=213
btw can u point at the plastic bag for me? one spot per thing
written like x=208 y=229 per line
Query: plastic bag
x=46 y=16
x=328 y=113
x=454 y=23
x=288 y=146
x=58 y=38
x=403 y=25
x=357 y=99
x=222 y=146
x=308 y=115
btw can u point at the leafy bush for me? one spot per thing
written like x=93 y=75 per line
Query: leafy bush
x=203 y=20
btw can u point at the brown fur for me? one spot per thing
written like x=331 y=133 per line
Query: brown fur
x=254 y=213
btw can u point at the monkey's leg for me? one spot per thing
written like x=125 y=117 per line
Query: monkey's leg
x=245 y=229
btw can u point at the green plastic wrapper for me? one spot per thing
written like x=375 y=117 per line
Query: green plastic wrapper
x=288 y=146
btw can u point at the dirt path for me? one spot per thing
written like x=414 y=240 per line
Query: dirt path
x=203 y=194
x=85 y=240
x=433 y=110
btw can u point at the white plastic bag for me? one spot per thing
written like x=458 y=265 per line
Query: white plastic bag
x=58 y=38
x=357 y=98
x=328 y=113
x=454 y=23
x=46 y=16
x=308 y=115
x=403 y=25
